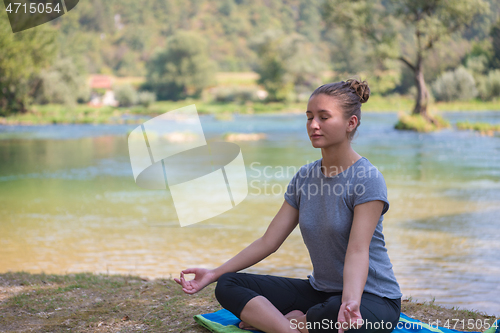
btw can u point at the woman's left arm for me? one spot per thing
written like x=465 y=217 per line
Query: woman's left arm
x=356 y=261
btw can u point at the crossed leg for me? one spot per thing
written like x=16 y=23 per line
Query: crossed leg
x=269 y=303
x=266 y=302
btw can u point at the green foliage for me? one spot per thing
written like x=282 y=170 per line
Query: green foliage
x=145 y=98
x=63 y=84
x=489 y=86
x=125 y=94
x=286 y=63
x=23 y=56
x=419 y=123
x=352 y=38
x=235 y=94
x=122 y=43
x=478 y=126
x=437 y=20
x=407 y=30
x=495 y=36
x=479 y=59
x=477 y=65
x=182 y=69
x=455 y=85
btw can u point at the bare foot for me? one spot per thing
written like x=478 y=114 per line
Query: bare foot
x=245 y=326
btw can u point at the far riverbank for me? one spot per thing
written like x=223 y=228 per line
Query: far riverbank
x=84 y=114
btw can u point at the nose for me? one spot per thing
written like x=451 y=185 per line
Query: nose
x=313 y=124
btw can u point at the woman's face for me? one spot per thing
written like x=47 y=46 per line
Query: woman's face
x=326 y=124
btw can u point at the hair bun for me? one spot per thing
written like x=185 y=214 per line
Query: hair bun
x=360 y=88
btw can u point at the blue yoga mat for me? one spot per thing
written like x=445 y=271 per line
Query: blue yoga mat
x=224 y=321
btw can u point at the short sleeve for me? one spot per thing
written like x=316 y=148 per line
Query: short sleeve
x=292 y=195
x=370 y=186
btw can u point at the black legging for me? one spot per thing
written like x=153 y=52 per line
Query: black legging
x=234 y=290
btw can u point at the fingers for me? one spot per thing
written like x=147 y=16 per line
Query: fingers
x=349 y=318
x=189 y=271
x=195 y=285
x=347 y=314
x=341 y=319
x=353 y=318
x=186 y=286
x=191 y=291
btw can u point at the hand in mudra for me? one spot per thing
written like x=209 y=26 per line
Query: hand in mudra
x=349 y=316
x=202 y=278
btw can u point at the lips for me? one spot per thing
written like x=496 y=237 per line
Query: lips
x=315 y=136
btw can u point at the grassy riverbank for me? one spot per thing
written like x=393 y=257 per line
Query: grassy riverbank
x=101 y=303
x=83 y=114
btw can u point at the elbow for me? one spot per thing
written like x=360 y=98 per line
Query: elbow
x=360 y=251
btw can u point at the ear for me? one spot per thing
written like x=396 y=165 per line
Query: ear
x=352 y=123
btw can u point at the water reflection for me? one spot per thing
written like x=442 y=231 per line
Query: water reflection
x=69 y=203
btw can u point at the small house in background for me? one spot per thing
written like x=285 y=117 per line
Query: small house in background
x=101 y=87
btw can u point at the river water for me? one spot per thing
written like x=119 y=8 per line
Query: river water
x=69 y=203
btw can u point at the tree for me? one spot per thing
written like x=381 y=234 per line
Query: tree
x=389 y=24
x=62 y=83
x=182 y=69
x=495 y=36
x=22 y=56
x=286 y=64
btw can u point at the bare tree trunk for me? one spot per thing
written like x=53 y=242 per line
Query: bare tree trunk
x=422 y=98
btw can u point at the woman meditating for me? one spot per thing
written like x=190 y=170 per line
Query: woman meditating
x=338 y=202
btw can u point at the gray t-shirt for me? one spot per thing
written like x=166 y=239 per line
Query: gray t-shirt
x=326 y=208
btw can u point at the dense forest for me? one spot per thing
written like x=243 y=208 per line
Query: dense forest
x=119 y=36
x=284 y=41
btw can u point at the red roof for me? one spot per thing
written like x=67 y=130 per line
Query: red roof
x=101 y=81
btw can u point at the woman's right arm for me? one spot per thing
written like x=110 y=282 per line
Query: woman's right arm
x=280 y=227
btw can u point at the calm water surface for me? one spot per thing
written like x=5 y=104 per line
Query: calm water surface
x=69 y=203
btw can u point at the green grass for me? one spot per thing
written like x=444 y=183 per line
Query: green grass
x=83 y=114
x=472 y=105
x=419 y=124
x=87 y=303
x=84 y=302
x=483 y=128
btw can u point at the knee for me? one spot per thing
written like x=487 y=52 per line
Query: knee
x=327 y=310
x=224 y=283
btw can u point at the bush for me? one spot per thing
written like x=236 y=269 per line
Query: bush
x=455 y=85
x=489 y=86
x=62 y=84
x=478 y=64
x=240 y=94
x=146 y=98
x=420 y=124
x=182 y=69
x=126 y=95
x=285 y=62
